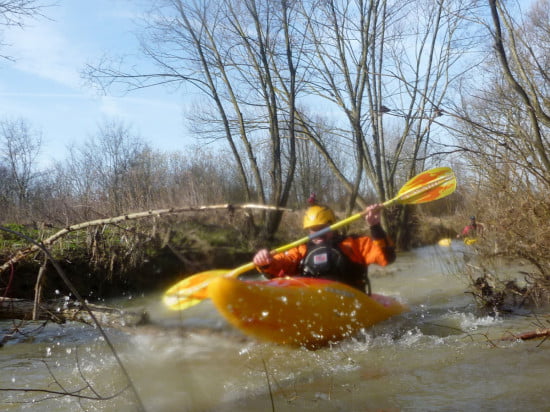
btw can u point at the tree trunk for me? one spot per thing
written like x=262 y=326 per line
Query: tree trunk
x=61 y=311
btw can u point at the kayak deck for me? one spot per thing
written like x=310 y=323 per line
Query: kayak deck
x=299 y=311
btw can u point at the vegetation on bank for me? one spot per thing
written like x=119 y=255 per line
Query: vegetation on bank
x=114 y=260
x=517 y=233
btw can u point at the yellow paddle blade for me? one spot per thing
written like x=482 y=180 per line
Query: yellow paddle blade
x=181 y=303
x=428 y=186
x=191 y=290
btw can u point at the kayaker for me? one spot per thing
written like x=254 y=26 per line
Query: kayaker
x=332 y=256
x=473 y=230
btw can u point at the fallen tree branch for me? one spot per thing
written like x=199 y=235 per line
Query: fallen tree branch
x=22 y=253
x=61 y=310
x=533 y=334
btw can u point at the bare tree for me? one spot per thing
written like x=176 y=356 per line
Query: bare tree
x=312 y=173
x=386 y=67
x=505 y=117
x=244 y=57
x=20 y=147
x=116 y=170
x=504 y=136
x=377 y=65
x=14 y=13
x=109 y=169
x=527 y=75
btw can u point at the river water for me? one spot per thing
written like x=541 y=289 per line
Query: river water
x=442 y=355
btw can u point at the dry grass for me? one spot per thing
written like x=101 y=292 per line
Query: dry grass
x=517 y=229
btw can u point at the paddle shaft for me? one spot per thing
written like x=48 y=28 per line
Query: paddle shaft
x=400 y=197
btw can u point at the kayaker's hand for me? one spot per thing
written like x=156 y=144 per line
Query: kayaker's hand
x=262 y=258
x=373 y=213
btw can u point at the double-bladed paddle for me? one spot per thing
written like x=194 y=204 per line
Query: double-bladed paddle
x=425 y=187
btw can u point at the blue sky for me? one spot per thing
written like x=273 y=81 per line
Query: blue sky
x=44 y=87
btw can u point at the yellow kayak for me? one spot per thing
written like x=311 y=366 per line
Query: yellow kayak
x=299 y=311
x=470 y=240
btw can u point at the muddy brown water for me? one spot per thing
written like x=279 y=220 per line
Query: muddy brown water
x=442 y=355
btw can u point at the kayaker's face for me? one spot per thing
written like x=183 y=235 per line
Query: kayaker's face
x=322 y=238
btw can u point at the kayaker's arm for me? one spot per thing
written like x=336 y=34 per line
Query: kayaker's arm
x=383 y=241
x=281 y=264
x=377 y=232
x=262 y=259
x=378 y=235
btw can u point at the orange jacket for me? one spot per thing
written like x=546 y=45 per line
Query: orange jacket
x=363 y=250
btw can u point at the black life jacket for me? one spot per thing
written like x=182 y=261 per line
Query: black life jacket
x=327 y=261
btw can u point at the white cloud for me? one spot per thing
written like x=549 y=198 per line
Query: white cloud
x=41 y=49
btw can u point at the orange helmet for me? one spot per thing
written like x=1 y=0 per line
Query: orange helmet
x=318 y=215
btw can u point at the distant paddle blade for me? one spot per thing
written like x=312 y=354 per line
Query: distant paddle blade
x=428 y=186
x=191 y=290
